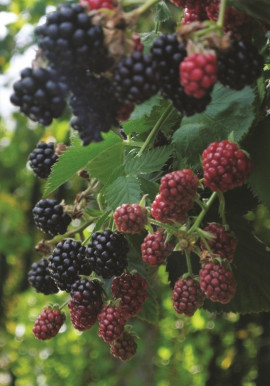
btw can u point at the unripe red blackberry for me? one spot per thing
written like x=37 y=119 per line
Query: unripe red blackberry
x=39 y=277
x=240 y=65
x=66 y=262
x=40 y=94
x=225 y=166
x=185 y=3
x=224 y=243
x=135 y=78
x=112 y=321
x=187 y=296
x=130 y=218
x=154 y=249
x=131 y=289
x=124 y=348
x=217 y=282
x=107 y=253
x=49 y=217
x=179 y=186
x=98 y=4
x=197 y=13
x=86 y=303
x=48 y=324
x=42 y=158
x=138 y=45
x=170 y=212
x=198 y=74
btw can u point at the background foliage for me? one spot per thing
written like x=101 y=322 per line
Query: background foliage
x=207 y=349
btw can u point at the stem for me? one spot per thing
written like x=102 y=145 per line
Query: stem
x=221 y=15
x=157 y=25
x=143 y=8
x=189 y=265
x=205 y=31
x=204 y=240
x=221 y=209
x=131 y=2
x=64 y=304
x=167 y=227
x=59 y=238
x=155 y=129
x=203 y=213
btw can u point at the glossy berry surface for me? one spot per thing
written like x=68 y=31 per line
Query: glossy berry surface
x=42 y=158
x=217 y=283
x=107 y=253
x=225 y=166
x=198 y=74
x=130 y=218
x=223 y=244
x=39 y=277
x=49 y=217
x=170 y=212
x=179 y=186
x=154 y=249
x=48 y=324
x=112 y=321
x=131 y=289
x=124 y=348
x=187 y=296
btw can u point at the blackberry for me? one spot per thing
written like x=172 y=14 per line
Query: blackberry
x=71 y=42
x=187 y=296
x=225 y=166
x=217 y=282
x=97 y=4
x=94 y=107
x=154 y=249
x=42 y=158
x=170 y=212
x=240 y=65
x=65 y=263
x=223 y=244
x=124 y=348
x=50 y=217
x=179 y=186
x=131 y=289
x=135 y=78
x=40 y=94
x=197 y=13
x=48 y=324
x=168 y=53
x=112 y=321
x=107 y=253
x=86 y=303
x=39 y=277
x=130 y=218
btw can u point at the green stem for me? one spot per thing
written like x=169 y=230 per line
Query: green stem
x=204 y=240
x=59 y=238
x=203 y=213
x=156 y=128
x=221 y=209
x=189 y=265
x=131 y=2
x=167 y=227
x=205 y=31
x=157 y=25
x=221 y=15
x=64 y=304
x=143 y=8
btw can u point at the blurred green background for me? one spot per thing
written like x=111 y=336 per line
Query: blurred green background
x=206 y=349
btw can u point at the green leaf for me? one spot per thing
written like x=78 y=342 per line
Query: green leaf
x=229 y=111
x=149 y=187
x=105 y=163
x=101 y=221
x=147 y=38
x=260 y=155
x=150 y=161
x=255 y=8
x=75 y=158
x=124 y=190
x=163 y=13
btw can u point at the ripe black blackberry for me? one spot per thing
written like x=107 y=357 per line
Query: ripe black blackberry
x=70 y=41
x=135 y=78
x=42 y=158
x=50 y=217
x=86 y=303
x=240 y=65
x=39 y=277
x=107 y=253
x=168 y=53
x=65 y=263
x=40 y=94
x=94 y=107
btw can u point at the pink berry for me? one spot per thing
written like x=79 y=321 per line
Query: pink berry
x=154 y=249
x=48 y=324
x=130 y=218
x=187 y=296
